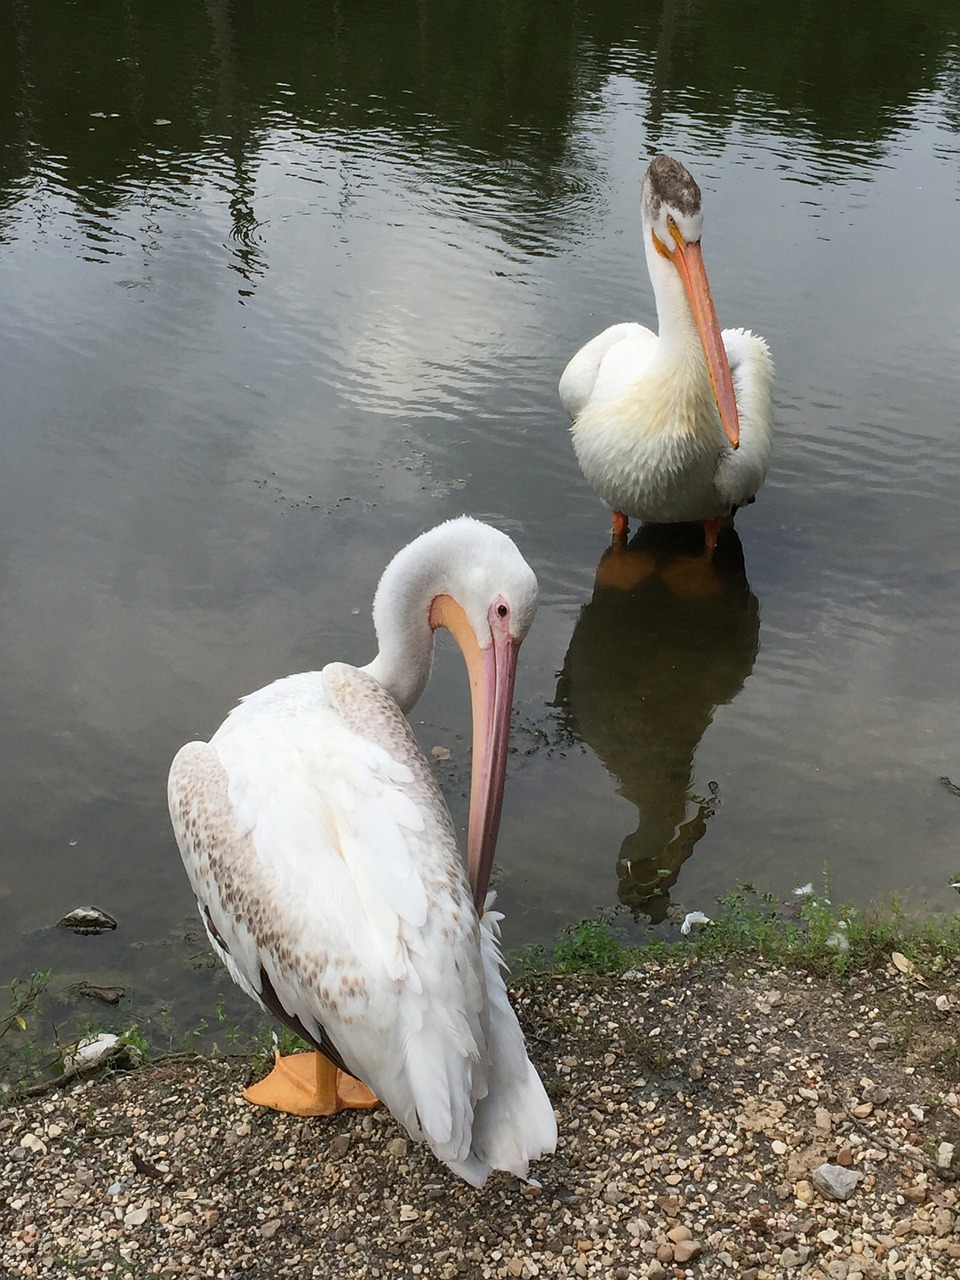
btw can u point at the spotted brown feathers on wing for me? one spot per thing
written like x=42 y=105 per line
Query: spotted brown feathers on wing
x=234 y=895
x=367 y=709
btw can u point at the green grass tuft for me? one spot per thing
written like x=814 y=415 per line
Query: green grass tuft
x=592 y=946
x=807 y=930
x=824 y=937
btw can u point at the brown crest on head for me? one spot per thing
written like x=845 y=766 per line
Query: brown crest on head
x=668 y=182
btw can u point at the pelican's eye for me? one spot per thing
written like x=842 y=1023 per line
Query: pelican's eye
x=502 y=610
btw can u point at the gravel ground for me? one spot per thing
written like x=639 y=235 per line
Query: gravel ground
x=695 y=1104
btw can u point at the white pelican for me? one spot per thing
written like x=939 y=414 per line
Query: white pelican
x=326 y=870
x=674 y=427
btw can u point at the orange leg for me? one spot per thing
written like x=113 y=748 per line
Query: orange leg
x=621 y=527
x=711 y=531
x=309 y=1084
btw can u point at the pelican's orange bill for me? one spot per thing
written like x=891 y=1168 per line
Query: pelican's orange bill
x=688 y=260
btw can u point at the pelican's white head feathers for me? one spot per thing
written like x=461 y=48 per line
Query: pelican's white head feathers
x=465 y=559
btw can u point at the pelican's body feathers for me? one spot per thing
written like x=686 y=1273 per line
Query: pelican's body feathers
x=646 y=430
x=325 y=865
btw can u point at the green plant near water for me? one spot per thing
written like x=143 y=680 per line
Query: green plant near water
x=822 y=936
x=592 y=946
x=23 y=1001
x=264 y=1040
x=22 y=1060
x=233 y=1033
x=280 y=1038
x=529 y=959
x=807 y=930
x=136 y=1039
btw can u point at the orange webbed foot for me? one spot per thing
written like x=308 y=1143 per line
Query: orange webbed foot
x=309 y=1084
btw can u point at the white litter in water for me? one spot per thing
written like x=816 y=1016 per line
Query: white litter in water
x=838 y=939
x=90 y=1053
x=692 y=918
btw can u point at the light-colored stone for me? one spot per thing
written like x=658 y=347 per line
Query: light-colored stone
x=685 y=1250
x=835 y=1181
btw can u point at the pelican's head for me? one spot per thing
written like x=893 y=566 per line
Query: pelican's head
x=488 y=603
x=485 y=581
x=471 y=579
x=673 y=221
x=671 y=204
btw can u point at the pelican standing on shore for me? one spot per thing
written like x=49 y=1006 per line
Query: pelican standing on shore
x=677 y=426
x=326 y=870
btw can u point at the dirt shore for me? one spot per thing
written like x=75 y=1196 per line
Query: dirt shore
x=697 y=1107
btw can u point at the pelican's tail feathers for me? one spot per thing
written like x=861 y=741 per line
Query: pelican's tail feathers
x=470 y=1170
x=514 y=1122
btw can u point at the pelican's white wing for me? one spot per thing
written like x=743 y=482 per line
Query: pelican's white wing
x=605 y=367
x=741 y=472
x=324 y=861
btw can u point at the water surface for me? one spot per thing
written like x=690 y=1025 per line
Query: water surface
x=278 y=295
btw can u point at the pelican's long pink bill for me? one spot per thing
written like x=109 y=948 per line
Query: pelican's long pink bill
x=492 y=706
x=688 y=260
x=492 y=670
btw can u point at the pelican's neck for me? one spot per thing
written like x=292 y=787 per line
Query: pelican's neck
x=405 y=653
x=462 y=558
x=401 y=616
x=675 y=323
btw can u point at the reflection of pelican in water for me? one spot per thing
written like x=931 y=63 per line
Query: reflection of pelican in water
x=667 y=638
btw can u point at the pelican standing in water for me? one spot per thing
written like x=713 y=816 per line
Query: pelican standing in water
x=672 y=427
x=326 y=869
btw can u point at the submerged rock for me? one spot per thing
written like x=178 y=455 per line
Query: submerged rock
x=87 y=920
x=109 y=995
